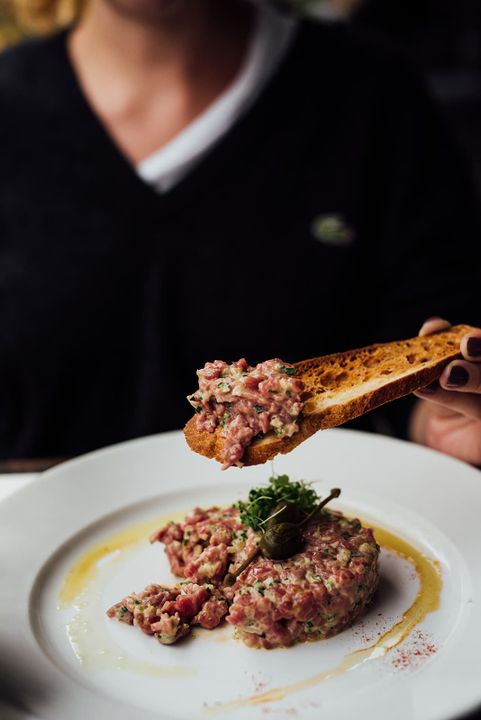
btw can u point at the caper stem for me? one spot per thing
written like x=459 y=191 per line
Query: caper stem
x=335 y=492
x=230 y=578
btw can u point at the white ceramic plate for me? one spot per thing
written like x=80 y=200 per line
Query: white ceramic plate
x=73 y=662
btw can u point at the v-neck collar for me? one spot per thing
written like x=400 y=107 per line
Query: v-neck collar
x=270 y=38
x=261 y=117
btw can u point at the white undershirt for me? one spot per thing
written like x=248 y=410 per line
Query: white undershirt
x=271 y=39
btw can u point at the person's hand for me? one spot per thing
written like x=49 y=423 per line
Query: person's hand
x=450 y=418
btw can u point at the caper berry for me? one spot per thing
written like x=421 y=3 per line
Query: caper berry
x=281 y=540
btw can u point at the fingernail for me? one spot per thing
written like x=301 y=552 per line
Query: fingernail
x=434 y=317
x=431 y=388
x=473 y=346
x=458 y=376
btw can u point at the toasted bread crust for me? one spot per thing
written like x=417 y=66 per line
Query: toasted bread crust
x=343 y=386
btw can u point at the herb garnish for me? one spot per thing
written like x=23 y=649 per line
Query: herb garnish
x=263 y=500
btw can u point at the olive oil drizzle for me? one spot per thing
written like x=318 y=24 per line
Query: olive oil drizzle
x=85 y=569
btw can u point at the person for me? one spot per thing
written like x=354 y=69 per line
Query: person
x=183 y=180
x=449 y=417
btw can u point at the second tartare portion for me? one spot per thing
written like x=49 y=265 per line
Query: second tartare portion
x=247 y=402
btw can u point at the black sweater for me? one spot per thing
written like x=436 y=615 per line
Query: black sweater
x=112 y=295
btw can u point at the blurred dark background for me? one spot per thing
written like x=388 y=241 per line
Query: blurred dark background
x=443 y=39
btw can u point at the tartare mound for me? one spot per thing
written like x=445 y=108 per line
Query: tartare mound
x=311 y=595
x=247 y=402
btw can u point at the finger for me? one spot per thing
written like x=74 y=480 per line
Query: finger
x=468 y=404
x=471 y=346
x=462 y=376
x=434 y=324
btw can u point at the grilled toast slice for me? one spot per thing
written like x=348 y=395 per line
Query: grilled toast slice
x=343 y=386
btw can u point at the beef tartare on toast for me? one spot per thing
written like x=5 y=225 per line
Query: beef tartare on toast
x=245 y=402
x=247 y=415
x=272 y=596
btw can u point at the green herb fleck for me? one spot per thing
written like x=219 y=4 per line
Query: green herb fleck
x=259 y=586
x=288 y=370
x=258 y=408
x=262 y=500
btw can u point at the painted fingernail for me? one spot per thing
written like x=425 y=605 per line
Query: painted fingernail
x=458 y=376
x=473 y=346
x=431 y=388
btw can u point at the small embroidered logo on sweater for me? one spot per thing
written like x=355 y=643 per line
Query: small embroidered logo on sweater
x=332 y=230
